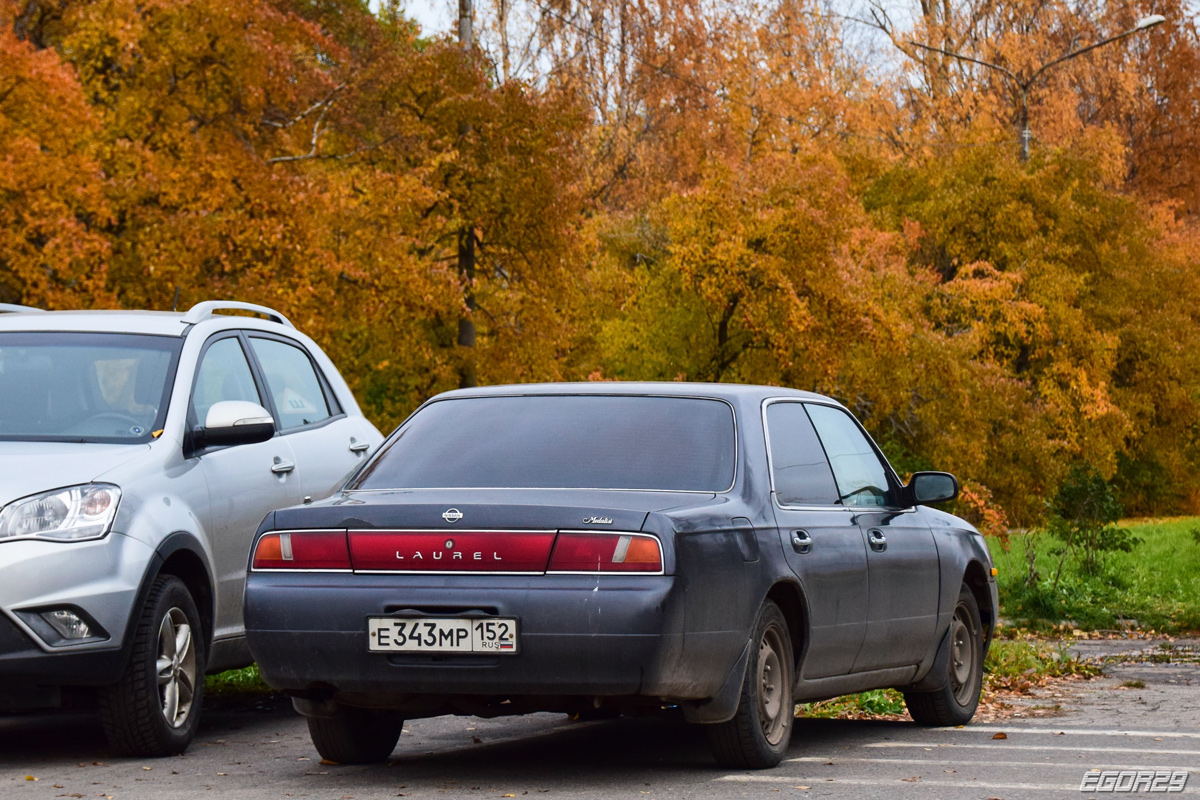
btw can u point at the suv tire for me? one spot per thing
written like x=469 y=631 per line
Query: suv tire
x=154 y=709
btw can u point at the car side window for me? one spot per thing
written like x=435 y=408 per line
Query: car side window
x=860 y=475
x=293 y=383
x=800 y=473
x=224 y=374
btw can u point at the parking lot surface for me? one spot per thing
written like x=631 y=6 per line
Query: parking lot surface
x=258 y=750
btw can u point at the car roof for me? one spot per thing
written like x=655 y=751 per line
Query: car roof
x=161 y=323
x=724 y=391
x=155 y=323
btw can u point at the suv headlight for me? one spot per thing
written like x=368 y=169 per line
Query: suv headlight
x=64 y=515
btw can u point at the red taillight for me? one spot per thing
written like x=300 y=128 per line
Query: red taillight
x=451 y=551
x=606 y=552
x=302 y=550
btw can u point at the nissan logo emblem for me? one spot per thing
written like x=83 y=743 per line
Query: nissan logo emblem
x=452 y=515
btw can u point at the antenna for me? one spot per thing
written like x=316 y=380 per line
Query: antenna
x=175 y=305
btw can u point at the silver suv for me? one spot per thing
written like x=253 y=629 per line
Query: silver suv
x=139 y=452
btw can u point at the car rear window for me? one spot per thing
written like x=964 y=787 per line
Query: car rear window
x=561 y=441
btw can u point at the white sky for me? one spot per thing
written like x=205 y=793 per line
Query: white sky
x=434 y=16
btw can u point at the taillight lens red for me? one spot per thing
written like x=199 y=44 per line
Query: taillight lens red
x=302 y=550
x=606 y=552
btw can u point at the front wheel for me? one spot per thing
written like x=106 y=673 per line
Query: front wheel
x=761 y=730
x=356 y=735
x=153 y=710
x=955 y=702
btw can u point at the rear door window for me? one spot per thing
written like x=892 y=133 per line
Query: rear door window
x=799 y=470
x=292 y=380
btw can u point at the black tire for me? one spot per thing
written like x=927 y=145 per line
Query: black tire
x=355 y=735
x=955 y=702
x=759 y=733
x=154 y=709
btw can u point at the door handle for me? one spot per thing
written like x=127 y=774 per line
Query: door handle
x=281 y=467
x=359 y=447
x=877 y=539
x=802 y=543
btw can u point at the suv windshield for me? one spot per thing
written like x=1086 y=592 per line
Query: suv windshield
x=84 y=387
x=561 y=442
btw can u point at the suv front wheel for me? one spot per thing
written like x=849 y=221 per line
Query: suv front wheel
x=155 y=707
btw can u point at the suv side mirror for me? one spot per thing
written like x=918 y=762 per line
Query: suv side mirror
x=931 y=487
x=233 y=422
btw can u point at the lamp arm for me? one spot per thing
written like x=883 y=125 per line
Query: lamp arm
x=1079 y=52
x=961 y=57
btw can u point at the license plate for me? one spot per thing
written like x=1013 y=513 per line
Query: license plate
x=493 y=635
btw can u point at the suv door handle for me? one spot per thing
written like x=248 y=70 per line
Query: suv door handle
x=802 y=543
x=281 y=467
x=877 y=539
x=359 y=447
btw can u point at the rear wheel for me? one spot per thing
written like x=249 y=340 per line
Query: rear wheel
x=155 y=707
x=356 y=735
x=956 y=701
x=761 y=730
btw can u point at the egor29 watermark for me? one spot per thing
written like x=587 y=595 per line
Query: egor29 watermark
x=1128 y=781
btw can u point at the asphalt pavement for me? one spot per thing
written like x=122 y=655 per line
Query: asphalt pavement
x=1143 y=715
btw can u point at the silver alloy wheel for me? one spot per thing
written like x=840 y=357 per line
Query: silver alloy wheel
x=771 y=686
x=176 y=667
x=964 y=646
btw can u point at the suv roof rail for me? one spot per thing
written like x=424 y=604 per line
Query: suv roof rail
x=13 y=308
x=202 y=311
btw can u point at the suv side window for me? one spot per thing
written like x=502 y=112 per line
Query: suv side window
x=861 y=477
x=224 y=374
x=800 y=473
x=293 y=383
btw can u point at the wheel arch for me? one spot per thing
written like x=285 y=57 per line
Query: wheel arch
x=975 y=578
x=181 y=555
x=789 y=596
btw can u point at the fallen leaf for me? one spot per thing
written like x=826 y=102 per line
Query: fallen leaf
x=477 y=740
x=329 y=763
x=1000 y=736
x=30 y=778
x=508 y=795
x=222 y=774
x=913 y=779
x=805 y=788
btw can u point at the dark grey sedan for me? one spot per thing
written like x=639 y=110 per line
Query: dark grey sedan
x=715 y=552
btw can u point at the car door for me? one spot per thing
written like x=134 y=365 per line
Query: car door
x=902 y=559
x=821 y=540
x=244 y=482
x=328 y=444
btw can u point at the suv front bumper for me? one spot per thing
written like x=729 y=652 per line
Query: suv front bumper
x=100 y=578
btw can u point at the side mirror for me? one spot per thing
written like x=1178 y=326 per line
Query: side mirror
x=932 y=487
x=233 y=422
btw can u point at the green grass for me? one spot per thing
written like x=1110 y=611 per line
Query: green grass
x=1157 y=584
x=236 y=683
x=1011 y=666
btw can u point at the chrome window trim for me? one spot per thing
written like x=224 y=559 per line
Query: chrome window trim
x=737 y=447
x=838 y=507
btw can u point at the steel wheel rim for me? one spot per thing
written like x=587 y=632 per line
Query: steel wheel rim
x=963 y=656
x=772 y=686
x=176 y=667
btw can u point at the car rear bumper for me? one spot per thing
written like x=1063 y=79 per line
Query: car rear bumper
x=579 y=635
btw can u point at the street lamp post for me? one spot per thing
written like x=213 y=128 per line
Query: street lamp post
x=1024 y=85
